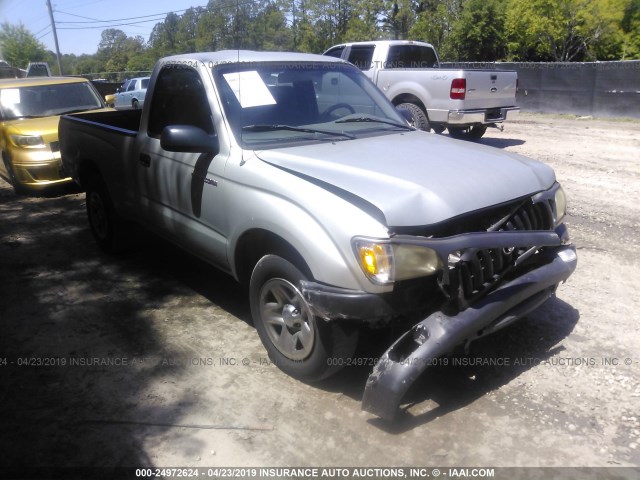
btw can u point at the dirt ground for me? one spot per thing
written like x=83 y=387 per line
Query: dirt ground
x=150 y=358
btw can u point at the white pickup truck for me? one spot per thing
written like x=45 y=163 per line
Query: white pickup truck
x=408 y=72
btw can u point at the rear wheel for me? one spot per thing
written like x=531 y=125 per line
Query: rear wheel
x=474 y=132
x=106 y=225
x=300 y=344
x=420 y=119
x=135 y=105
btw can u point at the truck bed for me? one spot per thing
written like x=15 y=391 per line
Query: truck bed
x=104 y=141
x=485 y=88
x=126 y=121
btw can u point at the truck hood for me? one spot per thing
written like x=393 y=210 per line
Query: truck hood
x=415 y=178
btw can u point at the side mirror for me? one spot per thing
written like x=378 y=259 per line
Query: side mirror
x=187 y=138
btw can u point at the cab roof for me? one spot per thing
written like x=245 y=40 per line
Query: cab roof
x=242 y=56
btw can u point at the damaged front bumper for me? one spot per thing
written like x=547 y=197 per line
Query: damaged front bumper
x=439 y=333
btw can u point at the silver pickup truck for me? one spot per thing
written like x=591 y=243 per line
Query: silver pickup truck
x=294 y=174
x=409 y=73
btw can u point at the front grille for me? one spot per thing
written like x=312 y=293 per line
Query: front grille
x=477 y=271
x=530 y=216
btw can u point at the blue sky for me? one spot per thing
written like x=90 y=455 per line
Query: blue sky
x=78 y=38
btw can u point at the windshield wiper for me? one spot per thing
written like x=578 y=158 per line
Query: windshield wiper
x=271 y=128
x=374 y=120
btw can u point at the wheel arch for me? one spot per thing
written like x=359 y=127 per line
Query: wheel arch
x=409 y=98
x=87 y=169
x=255 y=244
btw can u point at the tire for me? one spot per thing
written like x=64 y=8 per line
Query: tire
x=468 y=133
x=420 y=119
x=107 y=227
x=301 y=345
x=135 y=105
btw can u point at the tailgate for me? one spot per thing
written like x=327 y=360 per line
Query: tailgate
x=490 y=89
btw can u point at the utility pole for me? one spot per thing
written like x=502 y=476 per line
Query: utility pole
x=55 y=36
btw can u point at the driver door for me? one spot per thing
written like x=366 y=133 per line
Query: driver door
x=182 y=192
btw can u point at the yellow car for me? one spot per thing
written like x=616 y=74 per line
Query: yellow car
x=30 y=109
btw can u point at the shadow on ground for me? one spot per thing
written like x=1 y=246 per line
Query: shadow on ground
x=501 y=142
x=68 y=315
x=72 y=338
x=490 y=363
x=497 y=142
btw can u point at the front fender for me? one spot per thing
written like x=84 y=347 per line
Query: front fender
x=280 y=217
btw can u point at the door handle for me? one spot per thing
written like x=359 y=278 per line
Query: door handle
x=144 y=160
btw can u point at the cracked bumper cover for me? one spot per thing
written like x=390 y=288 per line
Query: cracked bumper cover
x=439 y=334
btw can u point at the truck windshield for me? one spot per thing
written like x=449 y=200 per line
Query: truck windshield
x=46 y=100
x=274 y=104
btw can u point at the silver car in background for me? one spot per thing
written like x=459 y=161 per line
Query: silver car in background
x=132 y=93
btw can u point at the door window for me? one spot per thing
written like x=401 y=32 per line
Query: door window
x=179 y=98
x=361 y=56
x=335 y=52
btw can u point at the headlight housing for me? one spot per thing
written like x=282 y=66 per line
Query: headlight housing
x=384 y=262
x=560 y=200
x=28 y=141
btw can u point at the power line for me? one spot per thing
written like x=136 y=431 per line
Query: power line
x=157 y=17
x=74 y=15
x=42 y=30
x=44 y=34
x=109 y=25
x=117 y=19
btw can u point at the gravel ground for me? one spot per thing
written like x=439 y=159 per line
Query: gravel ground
x=150 y=358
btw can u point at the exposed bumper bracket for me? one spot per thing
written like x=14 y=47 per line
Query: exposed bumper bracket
x=439 y=334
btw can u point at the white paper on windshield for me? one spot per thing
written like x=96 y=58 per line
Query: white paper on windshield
x=10 y=96
x=249 y=89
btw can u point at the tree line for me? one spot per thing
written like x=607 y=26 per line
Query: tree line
x=461 y=30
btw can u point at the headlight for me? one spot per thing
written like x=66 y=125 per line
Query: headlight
x=28 y=140
x=385 y=262
x=561 y=204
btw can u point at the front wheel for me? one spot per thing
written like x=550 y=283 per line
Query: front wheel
x=474 y=132
x=135 y=105
x=300 y=344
